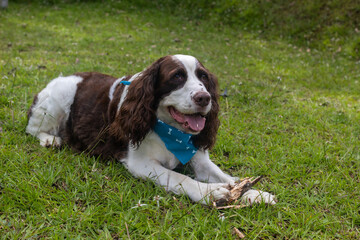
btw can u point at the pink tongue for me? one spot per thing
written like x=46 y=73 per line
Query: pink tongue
x=195 y=122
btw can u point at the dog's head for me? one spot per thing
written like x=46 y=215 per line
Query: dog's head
x=178 y=90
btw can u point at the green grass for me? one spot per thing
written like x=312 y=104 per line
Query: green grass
x=292 y=115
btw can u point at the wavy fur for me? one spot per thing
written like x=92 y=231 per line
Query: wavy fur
x=137 y=113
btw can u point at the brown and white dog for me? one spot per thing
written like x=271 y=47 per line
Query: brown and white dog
x=93 y=112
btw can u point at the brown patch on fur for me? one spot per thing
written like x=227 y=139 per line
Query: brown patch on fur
x=29 y=112
x=166 y=82
x=87 y=128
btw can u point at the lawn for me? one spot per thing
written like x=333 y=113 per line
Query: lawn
x=291 y=115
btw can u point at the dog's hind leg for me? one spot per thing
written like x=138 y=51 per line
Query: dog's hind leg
x=43 y=120
x=47 y=140
x=50 y=110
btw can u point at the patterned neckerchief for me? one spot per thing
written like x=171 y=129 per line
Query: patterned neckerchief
x=176 y=141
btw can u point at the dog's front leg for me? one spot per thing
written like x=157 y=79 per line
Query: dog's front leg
x=206 y=171
x=176 y=182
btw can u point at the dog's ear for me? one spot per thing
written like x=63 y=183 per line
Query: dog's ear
x=137 y=114
x=207 y=137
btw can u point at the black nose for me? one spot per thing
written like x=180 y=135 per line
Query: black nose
x=202 y=98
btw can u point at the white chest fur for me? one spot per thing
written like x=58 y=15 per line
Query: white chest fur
x=155 y=150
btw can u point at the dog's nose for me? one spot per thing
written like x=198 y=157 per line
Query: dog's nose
x=202 y=98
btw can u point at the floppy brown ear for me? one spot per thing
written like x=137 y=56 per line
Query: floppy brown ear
x=137 y=114
x=207 y=137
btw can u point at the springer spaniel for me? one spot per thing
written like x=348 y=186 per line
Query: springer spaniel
x=151 y=122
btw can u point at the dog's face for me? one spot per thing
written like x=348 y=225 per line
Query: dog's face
x=185 y=99
x=178 y=90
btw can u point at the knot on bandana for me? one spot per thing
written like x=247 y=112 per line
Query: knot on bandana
x=176 y=141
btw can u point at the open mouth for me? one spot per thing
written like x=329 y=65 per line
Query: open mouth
x=193 y=122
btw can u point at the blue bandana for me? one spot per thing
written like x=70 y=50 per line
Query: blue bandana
x=176 y=141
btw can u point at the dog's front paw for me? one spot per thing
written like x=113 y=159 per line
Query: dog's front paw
x=219 y=191
x=256 y=196
x=214 y=191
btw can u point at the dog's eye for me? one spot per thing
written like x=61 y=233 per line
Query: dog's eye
x=204 y=77
x=178 y=77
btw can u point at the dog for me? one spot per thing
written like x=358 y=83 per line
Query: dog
x=151 y=122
